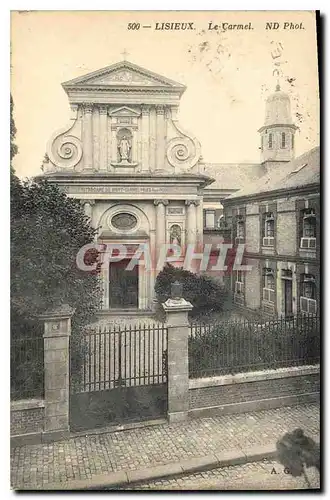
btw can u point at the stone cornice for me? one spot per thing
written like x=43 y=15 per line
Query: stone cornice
x=269 y=195
x=296 y=258
x=278 y=125
x=113 y=88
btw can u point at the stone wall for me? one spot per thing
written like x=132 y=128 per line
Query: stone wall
x=26 y=417
x=253 y=391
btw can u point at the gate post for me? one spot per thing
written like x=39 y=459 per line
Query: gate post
x=57 y=331
x=177 y=309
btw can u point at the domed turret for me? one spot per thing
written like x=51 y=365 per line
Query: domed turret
x=277 y=134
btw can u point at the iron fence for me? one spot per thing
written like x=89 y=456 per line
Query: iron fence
x=27 y=367
x=241 y=346
x=122 y=357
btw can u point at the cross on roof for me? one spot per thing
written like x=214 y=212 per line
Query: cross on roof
x=124 y=54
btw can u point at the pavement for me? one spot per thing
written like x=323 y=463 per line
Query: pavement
x=133 y=456
x=265 y=475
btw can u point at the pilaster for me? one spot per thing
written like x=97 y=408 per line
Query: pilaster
x=145 y=137
x=153 y=139
x=103 y=138
x=160 y=226
x=88 y=137
x=191 y=231
x=160 y=151
x=96 y=137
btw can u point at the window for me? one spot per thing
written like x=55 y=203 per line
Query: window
x=270 y=141
x=210 y=219
x=240 y=229
x=308 y=239
x=268 y=292
x=239 y=282
x=308 y=294
x=268 y=229
x=283 y=140
x=292 y=141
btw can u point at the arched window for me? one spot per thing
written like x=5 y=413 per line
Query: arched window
x=283 y=140
x=292 y=141
x=270 y=141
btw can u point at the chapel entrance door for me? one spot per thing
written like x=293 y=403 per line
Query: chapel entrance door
x=123 y=285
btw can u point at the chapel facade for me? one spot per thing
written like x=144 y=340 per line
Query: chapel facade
x=125 y=156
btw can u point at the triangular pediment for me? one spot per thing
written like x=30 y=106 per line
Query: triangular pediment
x=124 y=111
x=123 y=74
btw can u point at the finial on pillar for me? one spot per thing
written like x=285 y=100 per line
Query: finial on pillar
x=176 y=290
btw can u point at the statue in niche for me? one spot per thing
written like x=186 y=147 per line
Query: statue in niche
x=175 y=235
x=124 y=149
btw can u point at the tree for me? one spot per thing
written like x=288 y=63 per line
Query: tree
x=13 y=147
x=47 y=231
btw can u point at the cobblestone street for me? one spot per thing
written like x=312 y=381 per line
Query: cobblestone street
x=35 y=466
x=266 y=475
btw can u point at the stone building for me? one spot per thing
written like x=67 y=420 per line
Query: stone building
x=141 y=179
x=134 y=168
x=277 y=217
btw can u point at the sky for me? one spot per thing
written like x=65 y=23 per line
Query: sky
x=228 y=74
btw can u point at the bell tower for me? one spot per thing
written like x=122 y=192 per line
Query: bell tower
x=278 y=132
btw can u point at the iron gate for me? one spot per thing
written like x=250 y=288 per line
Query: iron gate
x=123 y=377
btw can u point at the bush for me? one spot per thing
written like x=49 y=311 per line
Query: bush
x=235 y=347
x=204 y=293
x=47 y=231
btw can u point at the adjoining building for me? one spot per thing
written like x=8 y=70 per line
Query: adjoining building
x=278 y=219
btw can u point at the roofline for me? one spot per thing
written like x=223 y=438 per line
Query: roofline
x=119 y=64
x=97 y=178
x=276 y=125
x=273 y=194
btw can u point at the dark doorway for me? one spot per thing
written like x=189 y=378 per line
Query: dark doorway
x=123 y=285
x=288 y=297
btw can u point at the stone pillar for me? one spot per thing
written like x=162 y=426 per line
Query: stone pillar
x=177 y=358
x=160 y=226
x=191 y=232
x=57 y=331
x=145 y=138
x=88 y=137
x=103 y=138
x=160 y=121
